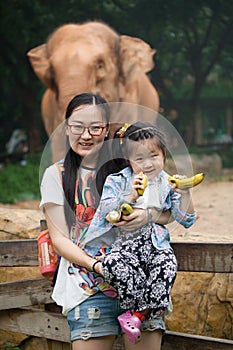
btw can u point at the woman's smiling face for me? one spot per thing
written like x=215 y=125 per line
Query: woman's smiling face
x=82 y=124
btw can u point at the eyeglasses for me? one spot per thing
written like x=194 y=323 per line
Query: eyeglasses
x=94 y=130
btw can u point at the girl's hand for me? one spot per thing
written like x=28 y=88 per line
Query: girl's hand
x=173 y=186
x=186 y=199
x=136 y=185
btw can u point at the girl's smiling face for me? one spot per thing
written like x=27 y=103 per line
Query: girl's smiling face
x=146 y=156
x=86 y=116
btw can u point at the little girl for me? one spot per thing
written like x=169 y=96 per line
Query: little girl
x=141 y=265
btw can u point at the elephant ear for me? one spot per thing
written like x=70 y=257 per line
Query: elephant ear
x=39 y=60
x=136 y=56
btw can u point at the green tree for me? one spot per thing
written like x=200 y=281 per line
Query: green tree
x=24 y=25
x=192 y=39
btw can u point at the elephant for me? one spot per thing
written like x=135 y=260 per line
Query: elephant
x=92 y=57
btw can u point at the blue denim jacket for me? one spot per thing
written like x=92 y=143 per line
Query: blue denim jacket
x=116 y=187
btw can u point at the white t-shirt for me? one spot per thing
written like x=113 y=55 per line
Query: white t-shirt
x=70 y=288
x=151 y=196
x=51 y=187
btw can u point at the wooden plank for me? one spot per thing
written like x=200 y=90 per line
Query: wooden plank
x=55 y=345
x=35 y=322
x=196 y=257
x=19 y=253
x=204 y=257
x=184 y=341
x=54 y=326
x=25 y=293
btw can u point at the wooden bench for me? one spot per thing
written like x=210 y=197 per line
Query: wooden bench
x=19 y=300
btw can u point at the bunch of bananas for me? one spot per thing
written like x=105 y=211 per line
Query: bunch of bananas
x=125 y=208
x=115 y=215
x=188 y=182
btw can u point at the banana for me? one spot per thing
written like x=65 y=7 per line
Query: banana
x=115 y=215
x=144 y=183
x=126 y=209
x=187 y=182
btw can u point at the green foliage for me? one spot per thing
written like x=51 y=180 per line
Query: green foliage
x=226 y=155
x=20 y=183
x=192 y=39
x=223 y=89
x=9 y=347
x=224 y=151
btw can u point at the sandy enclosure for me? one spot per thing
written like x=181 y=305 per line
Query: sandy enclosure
x=213 y=202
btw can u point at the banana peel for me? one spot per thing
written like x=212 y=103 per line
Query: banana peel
x=188 y=182
x=125 y=208
x=115 y=215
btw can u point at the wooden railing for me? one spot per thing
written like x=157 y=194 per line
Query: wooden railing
x=19 y=300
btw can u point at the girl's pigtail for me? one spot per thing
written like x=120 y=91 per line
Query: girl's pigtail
x=119 y=147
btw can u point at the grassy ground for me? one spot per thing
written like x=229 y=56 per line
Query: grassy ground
x=20 y=182
x=9 y=347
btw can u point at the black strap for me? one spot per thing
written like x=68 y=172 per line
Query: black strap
x=93 y=266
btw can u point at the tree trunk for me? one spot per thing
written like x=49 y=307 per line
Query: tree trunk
x=198 y=126
x=32 y=119
x=196 y=108
x=229 y=119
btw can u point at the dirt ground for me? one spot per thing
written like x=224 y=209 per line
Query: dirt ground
x=213 y=202
x=214 y=205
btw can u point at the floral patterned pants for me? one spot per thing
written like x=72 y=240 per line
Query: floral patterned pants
x=142 y=274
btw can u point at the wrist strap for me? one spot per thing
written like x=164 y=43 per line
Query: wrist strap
x=93 y=266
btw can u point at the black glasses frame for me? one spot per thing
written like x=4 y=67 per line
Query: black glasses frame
x=89 y=129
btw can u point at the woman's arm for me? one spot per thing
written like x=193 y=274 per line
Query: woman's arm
x=59 y=233
x=141 y=217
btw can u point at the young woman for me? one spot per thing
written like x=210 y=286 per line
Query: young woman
x=69 y=204
x=141 y=265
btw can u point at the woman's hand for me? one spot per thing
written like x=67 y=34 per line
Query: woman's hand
x=140 y=217
x=98 y=267
x=131 y=222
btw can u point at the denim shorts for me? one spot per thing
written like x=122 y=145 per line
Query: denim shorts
x=97 y=317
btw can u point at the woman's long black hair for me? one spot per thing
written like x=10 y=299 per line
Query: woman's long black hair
x=72 y=160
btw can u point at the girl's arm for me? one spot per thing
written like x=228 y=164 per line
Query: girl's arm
x=182 y=206
x=186 y=201
x=59 y=233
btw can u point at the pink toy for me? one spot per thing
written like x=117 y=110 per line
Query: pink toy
x=130 y=325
